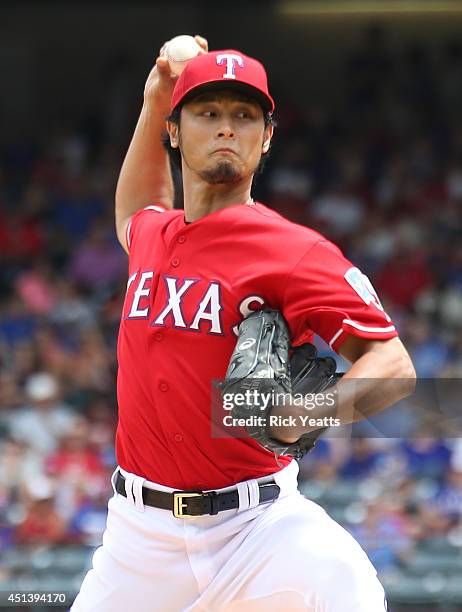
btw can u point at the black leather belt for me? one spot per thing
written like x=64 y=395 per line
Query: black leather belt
x=187 y=504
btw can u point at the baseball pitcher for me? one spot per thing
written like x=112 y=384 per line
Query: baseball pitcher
x=226 y=289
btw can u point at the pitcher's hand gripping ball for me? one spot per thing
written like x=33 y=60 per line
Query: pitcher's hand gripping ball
x=179 y=50
x=260 y=362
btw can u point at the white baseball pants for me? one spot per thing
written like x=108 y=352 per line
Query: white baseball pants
x=286 y=555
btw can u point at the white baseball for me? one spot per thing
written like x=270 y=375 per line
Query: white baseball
x=179 y=50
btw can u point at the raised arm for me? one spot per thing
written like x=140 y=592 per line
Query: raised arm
x=145 y=177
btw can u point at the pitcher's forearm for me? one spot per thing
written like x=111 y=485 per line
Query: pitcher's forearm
x=347 y=402
x=145 y=177
x=375 y=381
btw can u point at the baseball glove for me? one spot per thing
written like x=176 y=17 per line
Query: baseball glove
x=260 y=368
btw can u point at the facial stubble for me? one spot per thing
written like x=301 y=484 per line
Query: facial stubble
x=224 y=172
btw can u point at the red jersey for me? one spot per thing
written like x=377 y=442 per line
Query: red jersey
x=189 y=287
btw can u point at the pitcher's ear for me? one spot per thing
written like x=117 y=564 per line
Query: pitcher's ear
x=269 y=129
x=173 y=133
x=266 y=145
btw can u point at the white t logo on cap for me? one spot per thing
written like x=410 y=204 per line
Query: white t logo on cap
x=231 y=59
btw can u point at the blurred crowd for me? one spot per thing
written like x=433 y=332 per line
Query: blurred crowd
x=378 y=169
x=393 y=495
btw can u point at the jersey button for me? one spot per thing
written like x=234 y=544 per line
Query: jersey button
x=159 y=336
x=178 y=438
x=181 y=239
x=163 y=386
x=175 y=262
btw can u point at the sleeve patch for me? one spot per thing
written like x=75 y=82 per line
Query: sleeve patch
x=363 y=287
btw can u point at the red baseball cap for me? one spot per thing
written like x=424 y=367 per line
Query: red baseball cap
x=223 y=69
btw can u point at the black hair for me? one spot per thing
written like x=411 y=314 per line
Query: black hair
x=175 y=153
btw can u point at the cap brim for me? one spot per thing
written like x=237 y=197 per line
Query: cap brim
x=265 y=101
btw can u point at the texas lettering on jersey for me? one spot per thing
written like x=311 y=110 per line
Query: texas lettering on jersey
x=207 y=309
